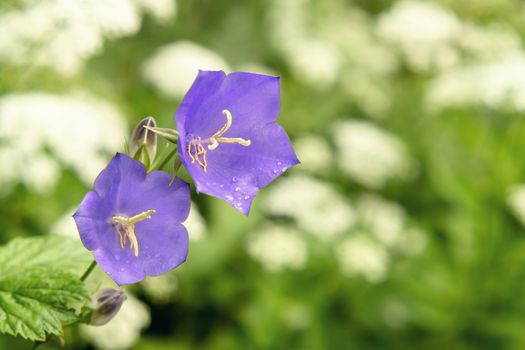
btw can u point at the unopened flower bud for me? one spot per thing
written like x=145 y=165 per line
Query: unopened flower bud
x=143 y=142
x=106 y=304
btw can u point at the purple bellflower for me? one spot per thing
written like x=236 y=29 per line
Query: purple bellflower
x=132 y=221
x=229 y=140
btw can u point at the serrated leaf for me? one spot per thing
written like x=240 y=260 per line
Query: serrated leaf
x=40 y=289
x=48 y=251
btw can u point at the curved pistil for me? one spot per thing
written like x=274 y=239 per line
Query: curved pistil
x=196 y=150
x=126 y=229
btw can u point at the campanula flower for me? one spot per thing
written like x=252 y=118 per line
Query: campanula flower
x=229 y=140
x=132 y=221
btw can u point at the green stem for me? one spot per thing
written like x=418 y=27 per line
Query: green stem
x=163 y=158
x=166 y=160
x=88 y=271
x=37 y=344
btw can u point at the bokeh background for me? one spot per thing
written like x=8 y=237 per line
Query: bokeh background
x=403 y=228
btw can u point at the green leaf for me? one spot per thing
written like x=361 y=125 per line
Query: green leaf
x=40 y=289
x=50 y=251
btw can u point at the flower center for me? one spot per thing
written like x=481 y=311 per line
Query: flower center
x=197 y=151
x=126 y=229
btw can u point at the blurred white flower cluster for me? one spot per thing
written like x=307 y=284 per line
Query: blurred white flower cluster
x=497 y=84
x=63 y=34
x=173 y=67
x=162 y=10
x=516 y=201
x=388 y=223
x=123 y=331
x=318 y=40
x=195 y=224
x=42 y=132
x=382 y=229
x=316 y=206
x=316 y=60
x=384 y=219
x=476 y=64
x=363 y=234
x=161 y=289
x=327 y=43
x=314 y=152
x=278 y=248
x=423 y=31
x=370 y=155
x=431 y=37
x=359 y=255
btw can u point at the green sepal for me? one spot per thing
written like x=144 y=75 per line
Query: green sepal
x=171 y=135
x=142 y=155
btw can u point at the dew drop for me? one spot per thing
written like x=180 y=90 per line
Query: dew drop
x=283 y=169
x=275 y=171
x=234 y=179
x=237 y=189
x=246 y=197
x=221 y=186
x=279 y=163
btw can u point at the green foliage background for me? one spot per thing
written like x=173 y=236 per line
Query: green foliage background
x=465 y=290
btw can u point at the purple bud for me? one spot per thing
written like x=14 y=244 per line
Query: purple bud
x=143 y=140
x=107 y=304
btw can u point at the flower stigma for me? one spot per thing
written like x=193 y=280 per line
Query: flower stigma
x=126 y=228
x=197 y=151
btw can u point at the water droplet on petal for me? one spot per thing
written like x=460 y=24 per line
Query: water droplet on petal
x=275 y=171
x=279 y=163
x=234 y=179
x=246 y=197
x=237 y=189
